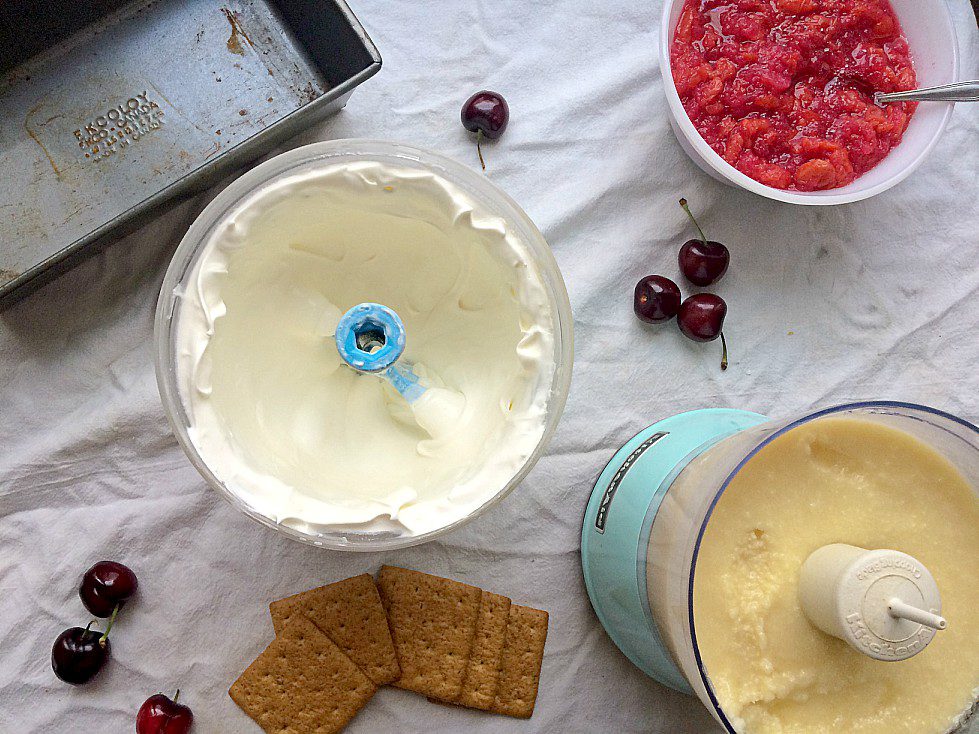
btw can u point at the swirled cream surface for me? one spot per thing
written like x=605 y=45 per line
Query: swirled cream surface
x=304 y=439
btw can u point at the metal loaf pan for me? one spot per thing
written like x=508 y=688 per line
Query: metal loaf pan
x=111 y=108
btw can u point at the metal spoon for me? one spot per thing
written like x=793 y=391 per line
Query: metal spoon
x=958 y=92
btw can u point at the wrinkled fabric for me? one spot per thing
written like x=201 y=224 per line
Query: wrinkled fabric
x=878 y=299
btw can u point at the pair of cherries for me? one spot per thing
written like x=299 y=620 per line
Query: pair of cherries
x=80 y=653
x=700 y=317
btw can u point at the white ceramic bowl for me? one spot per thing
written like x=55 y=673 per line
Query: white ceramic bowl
x=934 y=49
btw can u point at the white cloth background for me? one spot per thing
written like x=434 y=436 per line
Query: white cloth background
x=872 y=300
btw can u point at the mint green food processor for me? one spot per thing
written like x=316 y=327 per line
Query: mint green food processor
x=648 y=512
x=617 y=526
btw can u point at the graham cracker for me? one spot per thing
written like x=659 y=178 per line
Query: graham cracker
x=523 y=654
x=302 y=684
x=483 y=672
x=350 y=613
x=433 y=623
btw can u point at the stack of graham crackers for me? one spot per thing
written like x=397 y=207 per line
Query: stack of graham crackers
x=335 y=645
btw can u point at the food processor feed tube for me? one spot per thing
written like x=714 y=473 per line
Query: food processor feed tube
x=883 y=603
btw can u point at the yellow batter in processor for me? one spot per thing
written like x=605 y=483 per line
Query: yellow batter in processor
x=836 y=480
x=800 y=576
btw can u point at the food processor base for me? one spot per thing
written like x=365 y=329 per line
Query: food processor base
x=615 y=531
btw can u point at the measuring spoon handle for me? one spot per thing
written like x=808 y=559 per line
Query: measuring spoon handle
x=957 y=92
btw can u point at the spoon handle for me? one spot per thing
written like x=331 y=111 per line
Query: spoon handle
x=958 y=92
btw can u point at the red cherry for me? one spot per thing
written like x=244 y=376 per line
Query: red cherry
x=105 y=586
x=161 y=715
x=486 y=114
x=656 y=299
x=79 y=654
x=702 y=261
x=701 y=318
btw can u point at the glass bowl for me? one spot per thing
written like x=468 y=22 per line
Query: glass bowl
x=482 y=191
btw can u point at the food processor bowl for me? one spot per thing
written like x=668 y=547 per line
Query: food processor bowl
x=475 y=185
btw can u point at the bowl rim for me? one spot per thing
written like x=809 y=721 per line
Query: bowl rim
x=733 y=176
x=184 y=258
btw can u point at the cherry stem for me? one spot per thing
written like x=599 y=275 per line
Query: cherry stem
x=89 y=625
x=176 y=695
x=723 y=352
x=683 y=203
x=479 y=148
x=105 y=635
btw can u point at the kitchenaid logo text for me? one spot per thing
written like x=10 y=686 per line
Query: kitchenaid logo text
x=602 y=516
x=119 y=126
x=886 y=564
x=906 y=649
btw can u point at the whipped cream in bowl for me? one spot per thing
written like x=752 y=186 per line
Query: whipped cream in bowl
x=266 y=407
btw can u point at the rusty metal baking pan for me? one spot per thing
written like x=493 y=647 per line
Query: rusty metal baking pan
x=111 y=108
